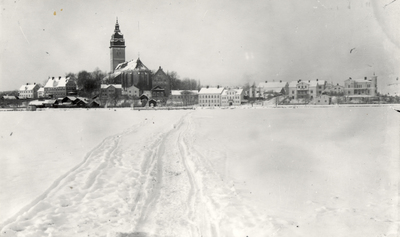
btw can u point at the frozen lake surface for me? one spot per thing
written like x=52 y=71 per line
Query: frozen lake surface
x=208 y=172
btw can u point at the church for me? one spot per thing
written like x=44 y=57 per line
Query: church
x=134 y=73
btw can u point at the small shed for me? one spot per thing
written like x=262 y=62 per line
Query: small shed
x=152 y=103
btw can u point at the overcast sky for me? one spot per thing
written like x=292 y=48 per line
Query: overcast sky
x=224 y=43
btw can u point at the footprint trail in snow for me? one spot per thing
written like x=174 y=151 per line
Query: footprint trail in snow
x=143 y=184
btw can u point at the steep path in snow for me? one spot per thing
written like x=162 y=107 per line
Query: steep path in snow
x=146 y=181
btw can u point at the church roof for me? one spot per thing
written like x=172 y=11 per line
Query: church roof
x=131 y=66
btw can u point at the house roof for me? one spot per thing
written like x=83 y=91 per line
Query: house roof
x=179 y=92
x=27 y=87
x=41 y=89
x=211 y=90
x=272 y=84
x=105 y=86
x=10 y=97
x=56 y=82
x=131 y=65
x=238 y=91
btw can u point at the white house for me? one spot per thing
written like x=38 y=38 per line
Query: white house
x=28 y=91
x=40 y=92
x=131 y=91
x=232 y=97
x=210 y=97
x=59 y=87
x=273 y=88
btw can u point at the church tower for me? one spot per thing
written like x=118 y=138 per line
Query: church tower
x=117 y=48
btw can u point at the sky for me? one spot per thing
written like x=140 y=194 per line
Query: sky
x=227 y=43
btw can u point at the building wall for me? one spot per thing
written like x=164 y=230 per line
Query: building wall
x=210 y=100
x=161 y=79
x=232 y=97
x=117 y=56
x=361 y=87
x=131 y=91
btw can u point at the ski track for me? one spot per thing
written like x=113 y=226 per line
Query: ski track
x=161 y=186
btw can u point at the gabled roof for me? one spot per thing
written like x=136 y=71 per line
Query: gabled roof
x=179 y=92
x=56 y=82
x=105 y=86
x=272 y=84
x=211 y=90
x=238 y=91
x=160 y=71
x=27 y=87
x=132 y=65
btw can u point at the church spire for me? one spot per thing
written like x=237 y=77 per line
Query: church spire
x=116 y=26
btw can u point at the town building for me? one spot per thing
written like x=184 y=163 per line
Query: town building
x=231 y=97
x=59 y=87
x=110 y=91
x=306 y=90
x=271 y=89
x=322 y=100
x=161 y=79
x=134 y=73
x=41 y=92
x=117 y=48
x=331 y=89
x=183 y=97
x=361 y=87
x=210 y=97
x=28 y=91
x=132 y=91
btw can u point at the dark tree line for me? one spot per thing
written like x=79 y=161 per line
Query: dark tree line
x=88 y=82
x=183 y=84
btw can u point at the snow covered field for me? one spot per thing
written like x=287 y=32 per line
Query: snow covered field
x=208 y=172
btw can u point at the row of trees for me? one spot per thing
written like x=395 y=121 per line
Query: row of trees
x=89 y=82
x=184 y=84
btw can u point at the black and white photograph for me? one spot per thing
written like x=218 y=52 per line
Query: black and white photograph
x=200 y=118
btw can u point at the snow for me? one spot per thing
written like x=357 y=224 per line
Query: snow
x=242 y=172
x=211 y=90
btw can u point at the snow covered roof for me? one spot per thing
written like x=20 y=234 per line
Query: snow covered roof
x=10 y=97
x=179 y=92
x=56 y=82
x=41 y=89
x=131 y=65
x=27 y=87
x=238 y=91
x=211 y=90
x=36 y=102
x=105 y=86
x=272 y=84
x=62 y=82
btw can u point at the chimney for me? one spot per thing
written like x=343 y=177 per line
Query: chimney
x=52 y=78
x=27 y=83
x=207 y=87
x=365 y=78
x=309 y=81
x=159 y=67
x=59 y=77
x=317 y=79
x=218 y=87
x=280 y=81
x=34 y=83
x=350 y=78
x=266 y=81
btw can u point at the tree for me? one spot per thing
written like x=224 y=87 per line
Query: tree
x=87 y=83
x=72 y=76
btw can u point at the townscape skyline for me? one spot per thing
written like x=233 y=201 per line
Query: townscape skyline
x=219 y=43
